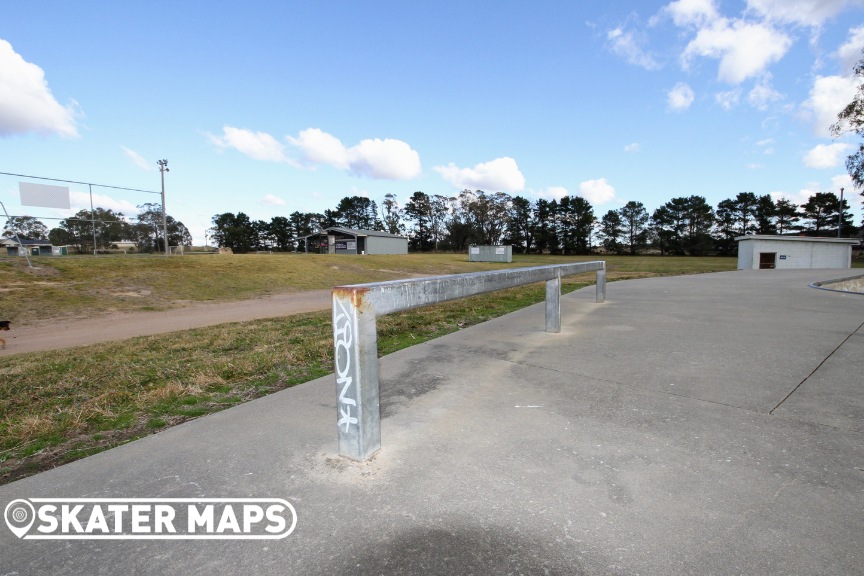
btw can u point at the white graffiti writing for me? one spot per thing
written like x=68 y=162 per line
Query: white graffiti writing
x=343 y=334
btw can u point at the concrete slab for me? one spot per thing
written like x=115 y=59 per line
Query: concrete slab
x=639 y=440
x=833 y=395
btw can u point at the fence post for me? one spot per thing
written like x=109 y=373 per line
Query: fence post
x=355 y=339
x=553 y=304
x=601 y=284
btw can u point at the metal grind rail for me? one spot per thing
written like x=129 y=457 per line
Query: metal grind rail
x=355 y=334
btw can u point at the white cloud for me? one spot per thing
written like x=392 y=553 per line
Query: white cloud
x=551 y=193
x=728 y=100
x=271 y=200
x=26 y=102
x=850 y=53
x=319 y=147
x=384 y=159
x=763 y=94
x=633 y=147
x=627 y=46
x=745 y=49
x=81 y=201
x=499 y=175
x=828 y=96
x=826 y=155
x=843 y=181
x=139 y=160
x=803 y=195
x=680 y=97
x=692 y=12
x=804 y=12
x=799 y=197
x=376 y=158
x=767 y=146
x=597 y=192
x=256 y=145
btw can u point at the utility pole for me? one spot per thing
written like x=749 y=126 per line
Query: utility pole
x=840 y=214
x=163 y=167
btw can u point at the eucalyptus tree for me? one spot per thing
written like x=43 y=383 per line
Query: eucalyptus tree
x=851 y=119
x=390 y=214
x=26 y=227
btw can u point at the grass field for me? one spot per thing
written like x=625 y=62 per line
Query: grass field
x=63 y=405
x=84 y=286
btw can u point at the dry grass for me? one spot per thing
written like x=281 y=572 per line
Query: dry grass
x=85 y=286
x=62 y=405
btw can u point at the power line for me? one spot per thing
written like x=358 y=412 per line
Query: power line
x=83 y=183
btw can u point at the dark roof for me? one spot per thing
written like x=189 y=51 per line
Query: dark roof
x=353 y=232
x=28 y=242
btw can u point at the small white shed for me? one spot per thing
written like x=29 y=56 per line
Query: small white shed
x=784 y=252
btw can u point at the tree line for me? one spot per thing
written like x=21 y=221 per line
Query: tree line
x=684 y=225
x=107 y=227
x=569 y=225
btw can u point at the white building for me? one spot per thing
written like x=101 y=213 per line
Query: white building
x=783 y=252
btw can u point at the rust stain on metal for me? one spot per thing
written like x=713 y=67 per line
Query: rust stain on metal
x=355 y=295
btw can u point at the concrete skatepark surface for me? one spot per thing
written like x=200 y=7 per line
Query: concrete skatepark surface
x=707 y=424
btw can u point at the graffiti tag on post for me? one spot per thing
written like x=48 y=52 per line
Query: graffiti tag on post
x=344 y=336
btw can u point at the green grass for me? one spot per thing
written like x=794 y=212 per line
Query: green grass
x=62 y=405
x=84 y=286
x=59 y=406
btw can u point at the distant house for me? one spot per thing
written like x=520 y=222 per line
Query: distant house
x=336 y=240
x=33 y=247
x=125 y=245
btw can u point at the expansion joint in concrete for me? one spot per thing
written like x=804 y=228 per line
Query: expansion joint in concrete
x=795 y=389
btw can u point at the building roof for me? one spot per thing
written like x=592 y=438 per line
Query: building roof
x=353 y=232
x=11 y=241
x=820 y=239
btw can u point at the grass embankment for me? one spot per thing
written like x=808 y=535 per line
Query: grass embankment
x=59 y=406
x=85 y=286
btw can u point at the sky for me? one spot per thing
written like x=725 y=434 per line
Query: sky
x=274 y=107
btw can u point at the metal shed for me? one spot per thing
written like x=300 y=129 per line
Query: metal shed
x=785 y=252
x=337 y=240
x=32 y=247
x=490 y=253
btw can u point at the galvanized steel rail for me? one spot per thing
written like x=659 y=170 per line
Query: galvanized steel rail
x=355 y=334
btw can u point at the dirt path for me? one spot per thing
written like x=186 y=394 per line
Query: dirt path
x=59 y=334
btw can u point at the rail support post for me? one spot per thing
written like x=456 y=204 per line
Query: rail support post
x=601 y=284
x=553 y=305
x=356 y=361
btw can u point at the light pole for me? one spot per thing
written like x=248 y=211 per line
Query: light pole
x=840 y=214
x=163 y=167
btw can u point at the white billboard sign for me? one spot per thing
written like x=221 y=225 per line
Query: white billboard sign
x=44 y=195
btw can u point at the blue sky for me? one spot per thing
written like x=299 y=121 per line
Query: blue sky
x=272 y=107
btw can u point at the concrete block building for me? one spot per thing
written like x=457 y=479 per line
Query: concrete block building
x=767 y=252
